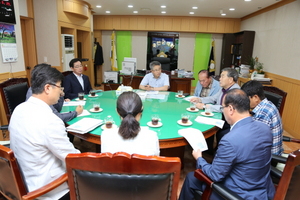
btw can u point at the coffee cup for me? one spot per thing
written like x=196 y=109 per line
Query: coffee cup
x=207 y=110
x=154 y=119
x=192 y=106
x=80 y=95
x=109 y=121
x=96 y=106
x=185 y=118
x=180 y=93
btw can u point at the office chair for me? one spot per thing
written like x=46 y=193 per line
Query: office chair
x=287 y=188
x=165 y=62
x=122 y=176
x=276 y=96
x=12 y=183
x=13 y=92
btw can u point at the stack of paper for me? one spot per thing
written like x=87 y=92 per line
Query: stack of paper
x=194 y=137
x=84 y=125
x=211 y=121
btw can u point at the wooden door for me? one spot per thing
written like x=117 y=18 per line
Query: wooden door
x=29 y=45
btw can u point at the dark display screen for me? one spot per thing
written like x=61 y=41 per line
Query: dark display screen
x=7 y=12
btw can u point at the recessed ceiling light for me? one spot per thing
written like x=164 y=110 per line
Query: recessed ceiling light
x=107 y=11
x=231 y=9
x=163 y=6
x=163 y=12
x=98 y=6
x=130 y=6
x=247 y=0
x=195 y=7
x=223 y=14
x=135 y=11
x=191 y=13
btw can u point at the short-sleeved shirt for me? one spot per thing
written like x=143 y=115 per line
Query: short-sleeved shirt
x=161 y=81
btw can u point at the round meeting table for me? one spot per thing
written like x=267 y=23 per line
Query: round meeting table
x=166 y=105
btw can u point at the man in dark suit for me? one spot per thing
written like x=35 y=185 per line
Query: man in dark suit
x=242 y=161
x=76 y=82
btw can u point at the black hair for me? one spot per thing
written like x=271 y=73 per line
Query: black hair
x=252 y=88
x=154 y=63
x=238 y=99
x=129 y=104
x=231 y=73
x=74 y=60
x=204 y=71
x=43 y=74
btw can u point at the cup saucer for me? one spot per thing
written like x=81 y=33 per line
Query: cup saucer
x=189 y=109
x=159 y=124
x=93 y=96
x=103 y=127
x=92 y=110
x=179 y=96
x=210 y=115
x=189 y=123
x=77 y=99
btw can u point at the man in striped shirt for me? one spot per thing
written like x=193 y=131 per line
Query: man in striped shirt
x=266 y=112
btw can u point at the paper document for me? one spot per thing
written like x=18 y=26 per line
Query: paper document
x=84 y=125
x=156 y=96
x=189 y=98
x=205 y=120
x=151 y=92
x=194 y=137
x=84 y=113
x=74 y=103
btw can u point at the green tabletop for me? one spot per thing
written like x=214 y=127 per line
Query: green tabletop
x=169 y=110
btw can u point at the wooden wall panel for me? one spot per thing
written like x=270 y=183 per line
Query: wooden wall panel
x=170 y=23
x=116 y=23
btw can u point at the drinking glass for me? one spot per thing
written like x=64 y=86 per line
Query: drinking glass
x=96 y=106
x=80 y=95
x=154 y=119
x=185 y=118
x=180 y=93
x=109 y=121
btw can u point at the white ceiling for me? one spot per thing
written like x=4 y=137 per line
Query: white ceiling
x=206 y=8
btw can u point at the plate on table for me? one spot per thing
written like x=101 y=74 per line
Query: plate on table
x=210 y=115
x=159 y=124
x=189 y=109
x=92 y=110
x=93 y=96
x=179 y=96
x=189 y=123
x=103 y=127
x=77 y=99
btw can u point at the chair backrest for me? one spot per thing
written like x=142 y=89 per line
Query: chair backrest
x=66 y=73
x=165 y=62
x=276 y=96
x=122 y=176
x=13 y=92
x=288 y=186
x=11 y=180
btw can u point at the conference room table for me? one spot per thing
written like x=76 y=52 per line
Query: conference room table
x=168 y=107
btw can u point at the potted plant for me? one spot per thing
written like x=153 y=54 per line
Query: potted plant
x=260 y=70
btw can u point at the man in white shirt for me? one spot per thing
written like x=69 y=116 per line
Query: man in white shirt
x=156 y=80
x=38 y=136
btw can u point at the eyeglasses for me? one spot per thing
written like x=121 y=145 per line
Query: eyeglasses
x=156 y=70
x=62 y=88
x=222 y=108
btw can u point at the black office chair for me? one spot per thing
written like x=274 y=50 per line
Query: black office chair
x=13 y=92
x=165 y=62
x=276 y=96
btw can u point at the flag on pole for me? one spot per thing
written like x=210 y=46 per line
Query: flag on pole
x=211 y=61
x=113 y=53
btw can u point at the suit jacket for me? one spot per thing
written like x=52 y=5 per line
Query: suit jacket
x=242 y=161
x=72 y=86
x=214 y=88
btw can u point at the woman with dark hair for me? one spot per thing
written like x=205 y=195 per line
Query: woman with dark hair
x=130 y=137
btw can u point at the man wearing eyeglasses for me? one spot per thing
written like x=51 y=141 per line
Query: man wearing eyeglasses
x=76 y=82
x=38 y=137
x=242 y=161
x=156 y=80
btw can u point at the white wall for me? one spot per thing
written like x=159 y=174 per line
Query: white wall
x=139 y=48
x=186 y=48
x=19 y=65
x=277 y=39
x=46 y=31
